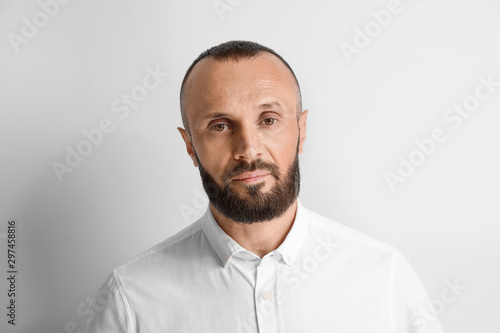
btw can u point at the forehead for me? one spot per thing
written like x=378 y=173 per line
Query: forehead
x=224 y=84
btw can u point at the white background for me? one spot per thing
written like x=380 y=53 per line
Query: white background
x=138 y=186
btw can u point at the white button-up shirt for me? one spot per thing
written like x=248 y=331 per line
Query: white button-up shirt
x=324 y=277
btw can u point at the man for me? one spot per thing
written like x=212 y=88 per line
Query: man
x=257 y=261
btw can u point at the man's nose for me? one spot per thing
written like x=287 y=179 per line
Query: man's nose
x=247 y=144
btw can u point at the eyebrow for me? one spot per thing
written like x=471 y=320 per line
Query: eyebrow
x=215 y=115
x=270 y=105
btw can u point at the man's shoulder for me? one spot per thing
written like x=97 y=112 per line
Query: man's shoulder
x=165 y=250
x=323 y=226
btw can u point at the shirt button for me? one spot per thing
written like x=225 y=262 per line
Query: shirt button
x=266 y=295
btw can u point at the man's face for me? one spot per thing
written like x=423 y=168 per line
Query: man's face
x=245 y=137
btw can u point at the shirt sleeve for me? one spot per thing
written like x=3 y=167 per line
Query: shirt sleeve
x=109 y=310
x=411 y=308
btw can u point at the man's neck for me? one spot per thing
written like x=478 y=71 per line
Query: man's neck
x=259 y=238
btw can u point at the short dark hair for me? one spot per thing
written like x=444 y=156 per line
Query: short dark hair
x=233 y=50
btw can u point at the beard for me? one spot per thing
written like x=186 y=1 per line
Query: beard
x=255 y=205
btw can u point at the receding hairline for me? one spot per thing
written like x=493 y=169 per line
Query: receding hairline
x=236 y=59
x=234 y=50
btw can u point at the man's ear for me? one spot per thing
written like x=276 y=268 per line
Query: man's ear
x=189 y=145
x=302 y=129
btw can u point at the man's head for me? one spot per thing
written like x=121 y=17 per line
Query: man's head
x=241 y=107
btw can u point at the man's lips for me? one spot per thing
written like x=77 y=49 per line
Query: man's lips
x=249 y=177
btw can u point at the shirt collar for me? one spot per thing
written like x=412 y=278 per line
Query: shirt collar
x=226 y=247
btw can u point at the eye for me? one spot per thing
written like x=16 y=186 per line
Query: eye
x=219 y=127
x=270 y=121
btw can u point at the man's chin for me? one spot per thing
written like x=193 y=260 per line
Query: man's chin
x=253 y=201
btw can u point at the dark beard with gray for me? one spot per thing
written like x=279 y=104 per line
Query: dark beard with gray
x=255 y=206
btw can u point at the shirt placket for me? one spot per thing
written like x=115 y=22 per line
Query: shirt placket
x=265 y=296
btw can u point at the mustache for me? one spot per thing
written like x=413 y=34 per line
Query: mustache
x=251 y=166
